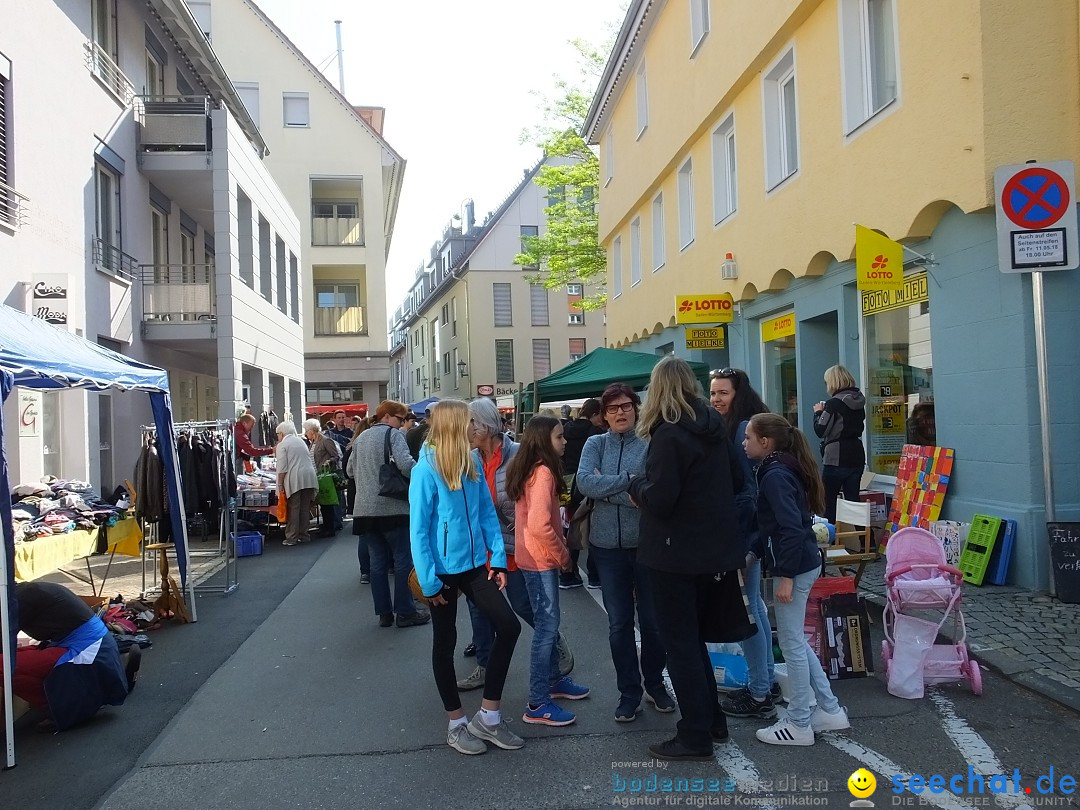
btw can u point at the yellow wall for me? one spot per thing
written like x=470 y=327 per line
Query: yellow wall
x=980 y=84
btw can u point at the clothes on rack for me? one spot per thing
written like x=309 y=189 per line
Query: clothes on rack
x=150 y=500
x=268 y=423
x=204 y=453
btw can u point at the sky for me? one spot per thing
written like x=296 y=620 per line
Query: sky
x=459 y=81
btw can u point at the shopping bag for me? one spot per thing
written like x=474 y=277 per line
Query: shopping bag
x=577 y=536
x=328 y=495
x=724 y=610
x=282 y=508
x=847 y=637
x=729 y=666
x=913 y=638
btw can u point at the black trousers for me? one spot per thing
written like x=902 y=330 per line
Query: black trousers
x=487 y=597
x=676 y=598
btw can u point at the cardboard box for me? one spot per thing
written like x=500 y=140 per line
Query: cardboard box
x=879 y=505
x=847 y=650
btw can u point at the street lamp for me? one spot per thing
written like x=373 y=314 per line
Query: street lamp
x=462 y=369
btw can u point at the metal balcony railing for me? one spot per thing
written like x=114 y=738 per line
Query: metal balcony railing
x=178 y=292
x=113 y=260
x=330 y=321
x=174 y=123
x=14 y=207
x=101 y=64
x=337 y=231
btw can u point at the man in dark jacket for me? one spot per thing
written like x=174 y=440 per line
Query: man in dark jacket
x=416 y=436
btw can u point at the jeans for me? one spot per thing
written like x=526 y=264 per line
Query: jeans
x=543 y=587
x=363 y=553
x=385 y=546
x=483 y=631
x=804 y=668
x=835 y=479
x=677 y=597
x=758 y=650
x=484 y=593
x=621 y=576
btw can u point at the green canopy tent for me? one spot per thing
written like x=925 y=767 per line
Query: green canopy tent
x=590 y=375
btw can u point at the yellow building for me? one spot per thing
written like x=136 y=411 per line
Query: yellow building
x=767 y=130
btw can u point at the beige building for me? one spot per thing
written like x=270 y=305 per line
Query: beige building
x=341 y=178
x=475 y=324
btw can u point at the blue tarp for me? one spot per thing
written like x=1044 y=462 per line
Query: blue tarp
x=419 y=407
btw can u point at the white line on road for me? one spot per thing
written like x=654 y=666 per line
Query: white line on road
x=886 y=767
x=975 y=751
x=739 y=767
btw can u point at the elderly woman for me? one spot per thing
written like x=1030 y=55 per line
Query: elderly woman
x=297 y=483
x=839 y=422
x=326 y=456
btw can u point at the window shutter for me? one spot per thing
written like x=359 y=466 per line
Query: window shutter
x=541 y=357
x=538 y=304
x=3 y=126
x=504 y=313
x=504 y=361
x=577 y=348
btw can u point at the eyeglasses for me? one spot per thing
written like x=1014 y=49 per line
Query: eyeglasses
x=724 y=373
x=625 y=407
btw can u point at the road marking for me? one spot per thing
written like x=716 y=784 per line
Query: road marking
x=740 y=768
x=886 y=767
x=975 y=751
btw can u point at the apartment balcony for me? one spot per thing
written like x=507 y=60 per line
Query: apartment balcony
x=174 y=124
x=179 y=302
x=339 y=321
x=14 y=207
x=337 y=231
x=113 y=261
x=108 y=73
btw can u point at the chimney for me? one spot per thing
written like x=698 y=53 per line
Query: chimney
x=470 y=215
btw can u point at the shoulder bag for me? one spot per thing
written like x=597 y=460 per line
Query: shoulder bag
x=392 y=481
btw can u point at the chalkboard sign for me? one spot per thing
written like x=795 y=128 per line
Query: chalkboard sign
x=1065 y=560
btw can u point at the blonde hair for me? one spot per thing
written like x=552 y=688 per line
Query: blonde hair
x=449 y=440
x=672 y=390
x=838 y=378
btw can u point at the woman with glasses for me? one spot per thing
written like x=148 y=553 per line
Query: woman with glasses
x=736 y=400
x=608 y=462
x=689 y=533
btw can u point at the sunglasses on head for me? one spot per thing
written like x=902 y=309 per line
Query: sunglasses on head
x=625 y=407
x=724 y=373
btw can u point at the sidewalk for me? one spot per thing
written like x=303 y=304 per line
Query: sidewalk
x=1027 y=636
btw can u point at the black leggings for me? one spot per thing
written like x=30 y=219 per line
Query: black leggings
x=486 y=596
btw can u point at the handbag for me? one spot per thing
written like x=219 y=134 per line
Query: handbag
x=723 y=609
x=328 y=494
x=577 y=536
x=392 y=481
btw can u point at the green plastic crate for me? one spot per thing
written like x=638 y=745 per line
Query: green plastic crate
x=975 y=557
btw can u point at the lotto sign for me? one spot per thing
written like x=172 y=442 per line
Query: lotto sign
x=879 y=261
x=1036 y=217
x=706 y=338
x=776 y=328
x=716 y=308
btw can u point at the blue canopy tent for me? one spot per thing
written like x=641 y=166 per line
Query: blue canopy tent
x=419 y=407
x=36 y=354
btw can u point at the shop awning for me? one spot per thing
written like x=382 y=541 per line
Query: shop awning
x=321 y=411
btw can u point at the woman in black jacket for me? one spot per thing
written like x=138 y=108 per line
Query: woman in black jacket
x=838 y=422
x=689 y=532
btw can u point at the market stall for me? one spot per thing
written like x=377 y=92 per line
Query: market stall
x=36 y=354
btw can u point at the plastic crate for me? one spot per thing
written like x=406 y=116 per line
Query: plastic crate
x=981 y=539
x=248 y=544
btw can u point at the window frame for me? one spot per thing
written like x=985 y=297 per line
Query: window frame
x=108 y=27
x=7 y=131
x=336 y=286
x=575 y=318
x=507 y=344
x=575 y=356
x=154 y=67
x=295 y=96
x=857 y=77
x=700 y=24
x=534 y=291
x=523 y=235
x=115 y=239
x=641 y=85
x=659 y=235
x=685 y=180
x=538 y=370
x=609 y=156
x=635 y=252
x=779 y=149
x=495 y=320
x=725 y=170
x=616 y=267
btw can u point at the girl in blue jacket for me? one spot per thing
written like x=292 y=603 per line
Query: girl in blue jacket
x=453 y=526
x=789 y=487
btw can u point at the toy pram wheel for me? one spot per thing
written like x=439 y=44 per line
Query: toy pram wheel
x=975 y=676
x=886 y=656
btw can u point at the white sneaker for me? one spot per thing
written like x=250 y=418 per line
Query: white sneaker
x=786 y=733
x=461 y=739
x=822 y=720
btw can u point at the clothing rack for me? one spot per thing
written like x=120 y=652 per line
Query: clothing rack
x=222 y=430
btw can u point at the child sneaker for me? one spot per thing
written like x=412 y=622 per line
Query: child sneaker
x=786 y=733
x=822 y=720
x=549 y=714
x=566 y=688
x=462 y=740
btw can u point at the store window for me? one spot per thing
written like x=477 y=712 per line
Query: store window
x=778 y=363
x=51 y=433
x=899 y=372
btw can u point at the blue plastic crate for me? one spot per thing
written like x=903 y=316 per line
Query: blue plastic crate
x=248 y=544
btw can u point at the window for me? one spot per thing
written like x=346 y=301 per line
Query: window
x=725 y=194
x=295 y=109
x=529 y=232
x=899 y=372
x=504 y=361
x=642 y=100
x=781 y=121
x=103 y=24
x=187 y=256
x=868 y=58
x=200 y=10
x=538 y=304
x=446 y=363
x=686 y=204
x=249 y=94
x=337 y=295
x=609 y=156
x=436 y=351
x=576 y=318
x=616 y=267
x=294 y=288
x=635 y=251
x=456 y=369
x=336 y=222
x=155 y=75
x=445 y=314
x=504 y=311
x=7 y=134
x=107 y=201
x=573 y=289
x=699 y=23
x=658 y=254
x=577 y=349
x=453 y=323
x=541 y=348
x=338 y=310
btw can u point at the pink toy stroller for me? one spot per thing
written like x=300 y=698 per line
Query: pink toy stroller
x=918 y=579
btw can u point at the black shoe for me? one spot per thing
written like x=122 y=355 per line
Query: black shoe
x=775 y=693
x=470 y=651
x=568 y=581
x=415 y=620
x=131 y=668
x=593 y=584
x=674 y=749
x=719 y=734
x=628 y=710
x=365 y=579
x=742 y=704
x=386 y=620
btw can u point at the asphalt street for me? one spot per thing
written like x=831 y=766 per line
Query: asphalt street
x=321 y=708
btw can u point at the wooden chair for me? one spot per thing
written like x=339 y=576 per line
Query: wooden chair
x=853 y=546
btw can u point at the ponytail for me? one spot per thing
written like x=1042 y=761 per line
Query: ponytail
x=792 y=440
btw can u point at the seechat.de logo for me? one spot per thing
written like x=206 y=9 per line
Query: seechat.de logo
x=862 y=785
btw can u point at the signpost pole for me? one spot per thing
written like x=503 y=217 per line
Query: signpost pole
x=1042 y=366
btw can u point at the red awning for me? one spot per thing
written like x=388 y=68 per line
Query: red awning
x=328 y=411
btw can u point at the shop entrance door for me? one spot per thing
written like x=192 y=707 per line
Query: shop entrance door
x=779 y=367
x=819 y=349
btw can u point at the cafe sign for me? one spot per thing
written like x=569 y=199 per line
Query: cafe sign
x=51 y=298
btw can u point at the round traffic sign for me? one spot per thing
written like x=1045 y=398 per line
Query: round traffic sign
x=1035 y=198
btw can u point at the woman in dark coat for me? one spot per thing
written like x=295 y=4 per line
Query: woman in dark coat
x=689 y=532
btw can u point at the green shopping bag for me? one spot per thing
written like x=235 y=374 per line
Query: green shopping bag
x=328 y=494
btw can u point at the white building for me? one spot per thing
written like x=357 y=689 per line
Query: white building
x=342 y=178
x=139 y=187
x=474 y=323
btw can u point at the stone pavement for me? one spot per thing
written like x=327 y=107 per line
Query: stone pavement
x=1027 y=636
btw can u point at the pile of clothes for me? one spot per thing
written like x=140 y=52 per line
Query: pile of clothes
x=54 y=507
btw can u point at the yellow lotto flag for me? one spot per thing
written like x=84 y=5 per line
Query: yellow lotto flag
x=879 y=261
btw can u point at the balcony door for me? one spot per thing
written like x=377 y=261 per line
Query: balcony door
x=336 y=222
x=338 y=310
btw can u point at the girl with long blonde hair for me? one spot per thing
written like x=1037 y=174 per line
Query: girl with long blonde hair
x=453 y=529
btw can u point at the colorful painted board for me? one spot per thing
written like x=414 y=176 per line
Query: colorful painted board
x=921 y=481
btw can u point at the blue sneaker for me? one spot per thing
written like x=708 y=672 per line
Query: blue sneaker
x=568 y=689
x=548 y=714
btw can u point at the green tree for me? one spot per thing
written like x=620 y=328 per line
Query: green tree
x=569 y=251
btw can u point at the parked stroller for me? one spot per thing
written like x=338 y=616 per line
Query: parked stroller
x=918 y=579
